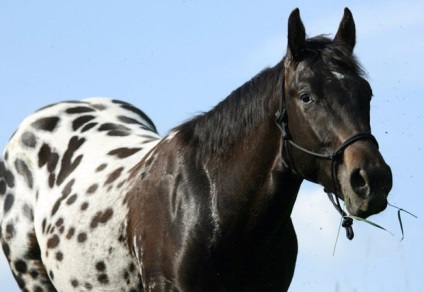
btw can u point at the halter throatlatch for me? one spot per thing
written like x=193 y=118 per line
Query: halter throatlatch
x=282 y=123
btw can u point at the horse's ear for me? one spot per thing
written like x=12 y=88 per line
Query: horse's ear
x=346 y=34
x=296 y=34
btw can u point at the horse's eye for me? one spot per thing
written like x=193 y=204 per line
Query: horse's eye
x=305 y=98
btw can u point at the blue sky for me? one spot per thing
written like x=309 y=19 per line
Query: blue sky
x=174 y=59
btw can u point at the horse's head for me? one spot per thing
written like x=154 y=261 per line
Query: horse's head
x=327 y=102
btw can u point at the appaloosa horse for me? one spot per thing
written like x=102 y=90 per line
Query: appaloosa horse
x=92 y=199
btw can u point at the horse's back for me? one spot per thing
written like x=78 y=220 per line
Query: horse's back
x=63 y=180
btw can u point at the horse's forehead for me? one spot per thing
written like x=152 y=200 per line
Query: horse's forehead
x=320 y=74
x=310 y=71
x=336 y=74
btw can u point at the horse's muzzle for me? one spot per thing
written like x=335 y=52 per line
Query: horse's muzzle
x=369 y=187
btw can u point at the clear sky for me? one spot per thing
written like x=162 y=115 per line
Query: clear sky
x=174 y=59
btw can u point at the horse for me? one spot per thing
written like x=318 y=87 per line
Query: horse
x=92 y=198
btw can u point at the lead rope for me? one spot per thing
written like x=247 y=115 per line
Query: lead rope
x=282 y=123
x=347 y=222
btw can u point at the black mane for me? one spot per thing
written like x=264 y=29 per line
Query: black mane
x=215 y=131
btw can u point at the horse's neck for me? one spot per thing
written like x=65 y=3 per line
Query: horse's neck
x=246 y=176
x=251 y=183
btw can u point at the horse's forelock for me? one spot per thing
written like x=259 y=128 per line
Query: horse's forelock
x=335 y=55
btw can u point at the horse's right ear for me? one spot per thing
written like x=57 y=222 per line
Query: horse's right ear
x=296 y=35
x=346 y=33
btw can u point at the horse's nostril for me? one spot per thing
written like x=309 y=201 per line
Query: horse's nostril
x=359 y=182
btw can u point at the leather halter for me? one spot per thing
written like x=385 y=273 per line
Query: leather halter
x=282 y=123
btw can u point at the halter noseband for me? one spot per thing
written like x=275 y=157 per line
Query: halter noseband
x=282 y=123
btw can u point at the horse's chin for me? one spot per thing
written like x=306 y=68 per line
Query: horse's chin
x=365 y=207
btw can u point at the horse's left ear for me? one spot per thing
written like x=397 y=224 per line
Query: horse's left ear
x=346 y=34
x=296 y=34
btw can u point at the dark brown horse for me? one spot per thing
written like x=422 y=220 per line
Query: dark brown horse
x=225 y=182
x=92 y=199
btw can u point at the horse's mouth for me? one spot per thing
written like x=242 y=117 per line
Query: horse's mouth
x=365 y=188
x=364 y=208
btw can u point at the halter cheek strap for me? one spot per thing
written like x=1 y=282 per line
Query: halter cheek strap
x=282 y=123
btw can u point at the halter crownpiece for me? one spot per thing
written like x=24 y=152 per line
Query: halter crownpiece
x=282 y=122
